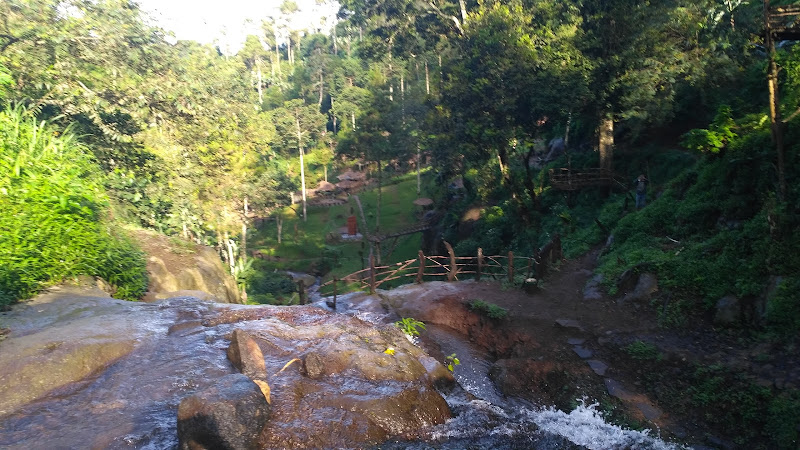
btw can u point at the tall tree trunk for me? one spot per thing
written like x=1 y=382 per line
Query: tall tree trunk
x=380 y=197
x=321 y=87
x=419 y=178
x=279 y=223
x=605 y=132
x=335 y=46
x=427 y=79
x=243 y=250
x=302 y=166
x=776 y=125
x=463 y=7
x=260 y=92
x=566 y=131
x=353 y=118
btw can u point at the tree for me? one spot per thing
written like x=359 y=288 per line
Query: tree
x=298 y=126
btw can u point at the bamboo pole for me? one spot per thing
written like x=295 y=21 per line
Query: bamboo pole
x=421 y=270
x=511 y=267
x=372 y=274
x=480 y=264
x=301 y=290
x=334 y=293
x=451 y=274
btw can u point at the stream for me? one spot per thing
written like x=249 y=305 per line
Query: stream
x=151 y=356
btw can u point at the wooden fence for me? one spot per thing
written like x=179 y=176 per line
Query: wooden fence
x=449 y=267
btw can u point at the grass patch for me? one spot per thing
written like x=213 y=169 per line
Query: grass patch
x=489 y=310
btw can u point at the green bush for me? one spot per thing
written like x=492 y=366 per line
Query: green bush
x=52 y=226
x=489 y=310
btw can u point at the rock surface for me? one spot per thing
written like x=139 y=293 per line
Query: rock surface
x=228 y=415
x=246 y=356
x=176 y=266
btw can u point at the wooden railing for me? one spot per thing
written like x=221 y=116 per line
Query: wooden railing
x=450 y=267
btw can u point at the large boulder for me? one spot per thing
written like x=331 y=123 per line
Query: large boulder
x=175 y=266
x=228 y=415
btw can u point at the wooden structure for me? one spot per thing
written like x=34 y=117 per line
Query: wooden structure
x=565 y=179
x=449 y=267
x=783 y=22
x=780 y=23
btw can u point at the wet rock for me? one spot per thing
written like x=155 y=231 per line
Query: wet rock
x=728 y=311
x=313 y=365
x=598 y=367
x=649 y=411
x=199 y=295
x=615 y=389
x=527 y=378
x=245 y=354
x=569 y=323
x=592 y=289
x=646 y=285
x=407 y=411
x=582 y=352
x=228 y=415
x=576 y=341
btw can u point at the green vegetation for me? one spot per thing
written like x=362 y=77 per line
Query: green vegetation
x=410 y=326
x=53 y=225
x=452 y=361
x=487 y=309
x=643 y=351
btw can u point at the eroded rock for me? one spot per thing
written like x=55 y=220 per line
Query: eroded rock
x=245 y=355
x=228 y=415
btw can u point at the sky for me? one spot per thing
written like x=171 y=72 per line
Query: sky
x=230 y=21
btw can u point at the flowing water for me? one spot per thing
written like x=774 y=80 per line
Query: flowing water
x=485 y=418
x=132 y=403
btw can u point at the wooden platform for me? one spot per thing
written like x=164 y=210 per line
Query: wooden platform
x=572 y=180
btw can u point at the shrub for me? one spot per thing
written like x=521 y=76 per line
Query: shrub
x=489 y=310
x=52 y=202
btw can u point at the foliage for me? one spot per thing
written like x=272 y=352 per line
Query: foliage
x=267 y=287
x=716 y=137
x=489 y=310
x=410 y=326
x=452 y=361
x=53 y=204
x=641 y=350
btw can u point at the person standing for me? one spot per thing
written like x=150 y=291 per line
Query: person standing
x=641 y=191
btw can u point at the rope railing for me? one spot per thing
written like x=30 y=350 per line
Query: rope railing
x=450 y=266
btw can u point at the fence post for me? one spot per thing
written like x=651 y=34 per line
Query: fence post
x=372 y=273
x=451 y=274
x=511 y=267
x=421 y=270
x=480 y=264
x=334 y=293
x=530 y=264
x=537 y=263
x=557 y=240
x=302 y=291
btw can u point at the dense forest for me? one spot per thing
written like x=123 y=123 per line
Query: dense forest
x=109 y=123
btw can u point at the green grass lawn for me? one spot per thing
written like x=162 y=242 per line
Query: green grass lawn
x=304 y=246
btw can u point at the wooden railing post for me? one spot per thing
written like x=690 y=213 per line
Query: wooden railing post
x=451 y=274
x=334 y=293
x=511 y=267
x=421 y=270
x=480 y=263
x=301 y=289
x=537 y=263
x=372 y=273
